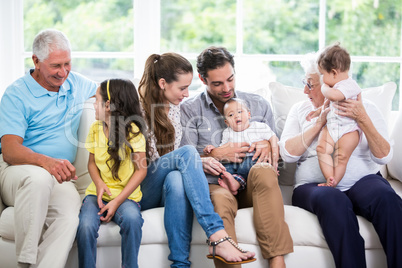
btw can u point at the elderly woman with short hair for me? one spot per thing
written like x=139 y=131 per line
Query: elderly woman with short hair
x=370 y=195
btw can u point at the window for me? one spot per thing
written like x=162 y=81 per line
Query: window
x=100 y=31
x=113 y=38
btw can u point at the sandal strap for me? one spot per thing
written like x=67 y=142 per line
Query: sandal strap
x=226 y=238
x=230 y=240
x=215 y=243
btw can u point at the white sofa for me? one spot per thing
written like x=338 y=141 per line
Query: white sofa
x=310 y=247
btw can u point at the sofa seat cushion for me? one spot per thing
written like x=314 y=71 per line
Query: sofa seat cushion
x=394 y=166
x=304 y=229
x=7 y=224
x=303 y=225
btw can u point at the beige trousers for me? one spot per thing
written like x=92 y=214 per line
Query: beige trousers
x=264 y=195
x=45 y=214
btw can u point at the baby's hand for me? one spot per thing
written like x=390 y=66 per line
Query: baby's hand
x=208 y=149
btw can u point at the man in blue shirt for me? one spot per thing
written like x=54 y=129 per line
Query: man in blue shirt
x=39 y=118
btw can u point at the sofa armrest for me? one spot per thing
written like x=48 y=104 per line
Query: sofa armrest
x=394 y=169
x=2 y=206
x=81 y=160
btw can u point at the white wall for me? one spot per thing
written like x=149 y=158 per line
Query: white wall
x=11 y=42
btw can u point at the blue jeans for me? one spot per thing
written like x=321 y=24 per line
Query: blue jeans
x=371 y=197
x=242 y=168
x=127 y=216
x=177 y=181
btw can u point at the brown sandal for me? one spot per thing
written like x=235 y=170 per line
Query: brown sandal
x=230 y=240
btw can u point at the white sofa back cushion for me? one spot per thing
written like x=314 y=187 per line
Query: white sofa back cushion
x=394 y=166
x=81 y=161
x=283 y=97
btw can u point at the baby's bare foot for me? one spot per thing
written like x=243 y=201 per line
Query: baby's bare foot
x=329 y=183
x=231 y=183
x=224 y=185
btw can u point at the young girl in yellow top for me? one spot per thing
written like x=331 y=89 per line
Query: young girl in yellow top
x=117 y=165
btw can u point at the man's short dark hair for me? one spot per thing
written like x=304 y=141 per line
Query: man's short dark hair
x=212 y=58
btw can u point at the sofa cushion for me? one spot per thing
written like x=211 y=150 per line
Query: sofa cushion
x=382 y=97
x=284 y=97
x=394 y=166
x=7 y=224
x=81 y=161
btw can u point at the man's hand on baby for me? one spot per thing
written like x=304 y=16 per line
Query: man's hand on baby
x=212 y=166
x=231 y=152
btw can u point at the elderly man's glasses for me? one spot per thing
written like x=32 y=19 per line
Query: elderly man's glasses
x=310 y=86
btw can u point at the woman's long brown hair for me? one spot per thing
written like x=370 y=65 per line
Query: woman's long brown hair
x=167 y=66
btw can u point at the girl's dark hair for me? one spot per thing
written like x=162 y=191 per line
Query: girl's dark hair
x=125 y=110
x=167 y=66
x=212 y=58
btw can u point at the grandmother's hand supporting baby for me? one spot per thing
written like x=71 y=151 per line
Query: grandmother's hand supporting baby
x=352 y=108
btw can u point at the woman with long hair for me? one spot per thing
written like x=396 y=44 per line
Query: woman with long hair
x=175 y=177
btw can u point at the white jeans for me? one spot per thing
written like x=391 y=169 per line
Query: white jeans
x=45 y=213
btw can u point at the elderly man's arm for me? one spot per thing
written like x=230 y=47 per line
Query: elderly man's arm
x=15 y=153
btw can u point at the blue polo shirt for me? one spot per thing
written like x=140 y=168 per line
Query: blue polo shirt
x=47 y=121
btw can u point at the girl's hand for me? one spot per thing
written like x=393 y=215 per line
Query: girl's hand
x=111 y=208
x=100 y=189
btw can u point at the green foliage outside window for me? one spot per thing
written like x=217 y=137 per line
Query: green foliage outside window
x=270 y=27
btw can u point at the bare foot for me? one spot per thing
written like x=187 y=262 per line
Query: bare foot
x=228 y=182
x=223 y=184
x=330 y=182
x=277 y=262
x=227 y=250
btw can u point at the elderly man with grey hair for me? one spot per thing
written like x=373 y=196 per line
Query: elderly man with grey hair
x=39 y=118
